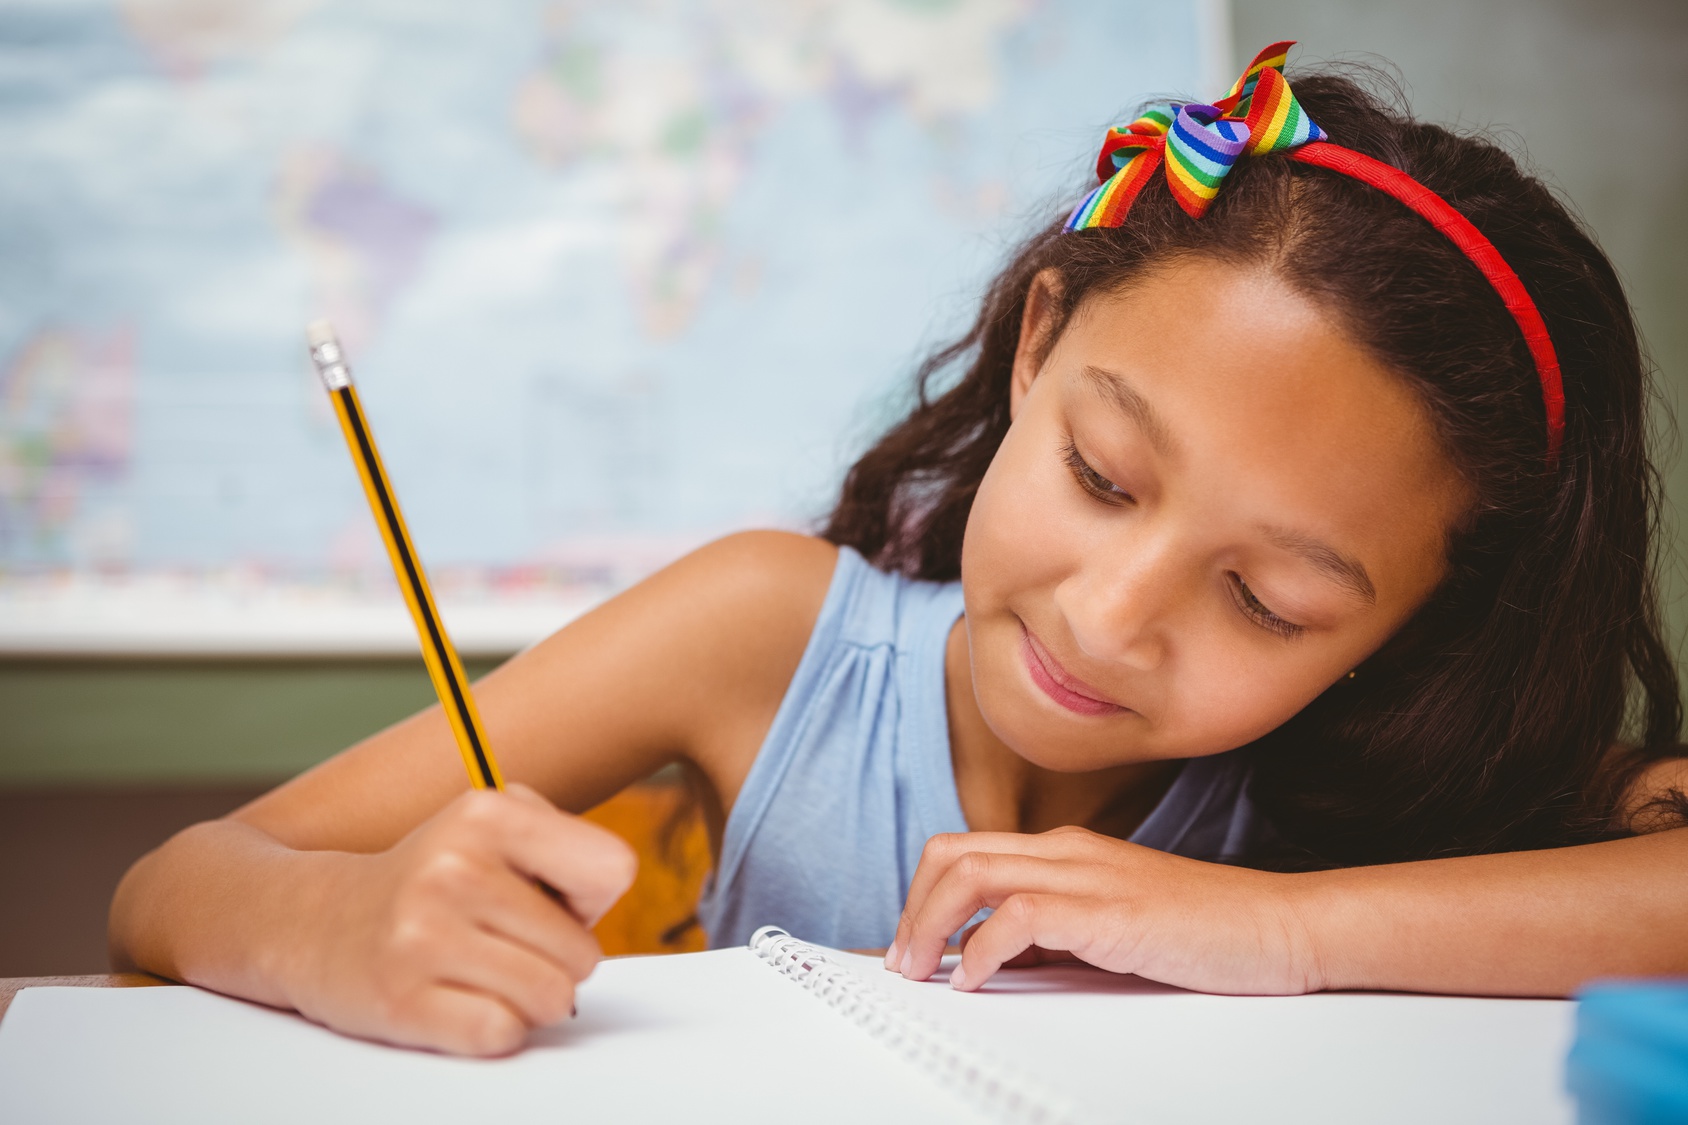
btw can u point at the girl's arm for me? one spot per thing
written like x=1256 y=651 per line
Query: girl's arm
x=1518 y=924
x=375 y=894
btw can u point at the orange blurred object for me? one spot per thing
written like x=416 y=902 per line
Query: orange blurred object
x=659 y=914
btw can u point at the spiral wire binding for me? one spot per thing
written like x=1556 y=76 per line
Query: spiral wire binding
x=990 y=1085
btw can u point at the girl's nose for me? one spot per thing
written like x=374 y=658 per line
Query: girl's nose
x=1119 y=606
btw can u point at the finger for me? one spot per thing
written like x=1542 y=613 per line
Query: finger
x=1023 y=922
x=447 y=1017
x=515 y=908
x=521 y=911
x=1026 y=958
x=534 y=987
x=1038 y=955
x=943 y=850
x=936 y=857
x=591 y=866
x=973 y=882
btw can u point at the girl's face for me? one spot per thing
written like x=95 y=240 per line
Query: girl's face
x=1211 y=505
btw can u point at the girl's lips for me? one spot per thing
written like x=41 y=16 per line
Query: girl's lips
x=1069 y=691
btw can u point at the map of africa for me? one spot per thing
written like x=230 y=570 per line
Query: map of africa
x=614 y=278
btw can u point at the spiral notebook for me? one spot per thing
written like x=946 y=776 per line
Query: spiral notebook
x=787 y=1031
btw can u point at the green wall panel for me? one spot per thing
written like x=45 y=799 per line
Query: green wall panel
x=65 y=721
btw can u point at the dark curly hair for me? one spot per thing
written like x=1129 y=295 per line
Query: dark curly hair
x=1493 y=720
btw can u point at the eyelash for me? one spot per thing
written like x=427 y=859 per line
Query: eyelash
x=1092 y=481
x=1110 y=493
x=1255 y=610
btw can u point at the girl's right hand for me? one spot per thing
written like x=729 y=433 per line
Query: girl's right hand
x=446 y=940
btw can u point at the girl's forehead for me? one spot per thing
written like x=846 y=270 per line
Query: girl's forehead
x=1253 y=400
x=1234 y=347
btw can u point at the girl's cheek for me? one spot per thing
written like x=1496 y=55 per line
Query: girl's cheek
x=1015 y=525
x=1229 y=699
x=1027 y=476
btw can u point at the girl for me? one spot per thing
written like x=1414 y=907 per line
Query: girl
x=1265 y=608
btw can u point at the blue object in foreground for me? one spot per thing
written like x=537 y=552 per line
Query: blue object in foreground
x=1629 y=1064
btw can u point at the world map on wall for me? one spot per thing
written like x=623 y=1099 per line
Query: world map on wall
x=614 y=278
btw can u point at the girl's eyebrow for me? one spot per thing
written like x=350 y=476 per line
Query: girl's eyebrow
x=1348 y=572
x=1124 y=397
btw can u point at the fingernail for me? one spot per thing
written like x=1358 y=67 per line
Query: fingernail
x=891 y=957
x=906 y=965
x=958 y=979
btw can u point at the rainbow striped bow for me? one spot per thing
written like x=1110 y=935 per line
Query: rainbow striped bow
x=1198 y=143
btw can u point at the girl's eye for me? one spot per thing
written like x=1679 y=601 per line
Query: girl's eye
x=1092 y=481
x=1255 y=610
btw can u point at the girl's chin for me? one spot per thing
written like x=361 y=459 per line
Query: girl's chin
x=1028 y=735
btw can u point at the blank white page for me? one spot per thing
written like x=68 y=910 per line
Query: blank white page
x=722 y=1037
x=704 y=1037
x=1124 y=1049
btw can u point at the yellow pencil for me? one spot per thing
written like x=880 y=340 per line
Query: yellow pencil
x=450 y=683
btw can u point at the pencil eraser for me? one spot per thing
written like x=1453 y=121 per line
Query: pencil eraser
x=319 y=332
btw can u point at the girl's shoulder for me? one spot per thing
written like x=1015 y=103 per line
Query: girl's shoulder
x=750 y=600
x=774 y=590
x=767 y=584
x=736 y=617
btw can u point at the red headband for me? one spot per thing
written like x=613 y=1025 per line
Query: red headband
x=1198 y=144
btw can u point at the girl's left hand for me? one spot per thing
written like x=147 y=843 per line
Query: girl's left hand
x=1122 y=907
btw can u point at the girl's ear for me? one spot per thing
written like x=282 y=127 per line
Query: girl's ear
x=1037 y=332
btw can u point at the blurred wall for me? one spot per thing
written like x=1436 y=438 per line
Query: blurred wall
x=1592 y=91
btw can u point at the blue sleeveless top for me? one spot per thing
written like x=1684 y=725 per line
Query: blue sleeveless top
x=854 y=777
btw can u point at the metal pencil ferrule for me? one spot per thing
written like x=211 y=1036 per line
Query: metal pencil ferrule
x=331 y=365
